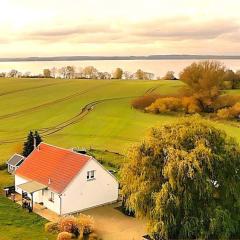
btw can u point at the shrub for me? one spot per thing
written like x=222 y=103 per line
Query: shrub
x=144 y=101
x=67 y=224
x=3 y=166
x=64 y=236
x=229 y=113
x=51 y=227
x=236 y=110
x=167 y=104
x=225 y=101
x=85 y=223
x=227 y=85
x=224 y=113
x=191 y=105
x=169 y=76
x=93 y=236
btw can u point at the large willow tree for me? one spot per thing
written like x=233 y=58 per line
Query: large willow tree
x=185 y=178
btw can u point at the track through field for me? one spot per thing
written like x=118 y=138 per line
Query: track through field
x=71 y=121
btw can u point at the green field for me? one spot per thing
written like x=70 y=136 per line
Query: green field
x=108 y=125
x=53 y=107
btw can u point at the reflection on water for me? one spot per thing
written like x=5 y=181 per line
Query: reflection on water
x=158 y=67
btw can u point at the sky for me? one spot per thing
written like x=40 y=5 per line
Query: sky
x=118 y=27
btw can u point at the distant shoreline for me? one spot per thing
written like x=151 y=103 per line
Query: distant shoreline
x=99 y=58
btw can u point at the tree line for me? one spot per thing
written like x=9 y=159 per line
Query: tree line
x=88 y=72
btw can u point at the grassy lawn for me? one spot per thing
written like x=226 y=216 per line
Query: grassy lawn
x=16 y=223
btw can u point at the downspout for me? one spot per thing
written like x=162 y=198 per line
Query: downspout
x=60 y=195
x=32 y=200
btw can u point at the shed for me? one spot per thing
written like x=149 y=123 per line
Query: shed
x=14 y=162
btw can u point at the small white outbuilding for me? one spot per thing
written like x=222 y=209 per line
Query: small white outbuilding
x=14 y=162
x=65 y=181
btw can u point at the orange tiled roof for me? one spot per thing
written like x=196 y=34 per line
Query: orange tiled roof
x=50 y=162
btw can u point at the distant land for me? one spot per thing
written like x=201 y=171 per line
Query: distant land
x=150 y=57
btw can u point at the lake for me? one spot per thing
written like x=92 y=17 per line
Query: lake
x=158 y=67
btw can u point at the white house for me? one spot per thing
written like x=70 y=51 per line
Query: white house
x=14 y=162
x=65 y=181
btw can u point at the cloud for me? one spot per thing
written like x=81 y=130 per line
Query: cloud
x=185 y=29
x=166 y=29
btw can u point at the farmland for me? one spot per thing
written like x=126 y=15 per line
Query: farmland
x=83 y=113
x=53 y=107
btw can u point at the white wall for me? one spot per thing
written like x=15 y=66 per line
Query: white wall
x=39 y=197
x=83 y=194
x=19 y=180
x=54 y=206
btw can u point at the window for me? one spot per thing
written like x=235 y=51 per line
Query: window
x=90 y=175
x=51 y=199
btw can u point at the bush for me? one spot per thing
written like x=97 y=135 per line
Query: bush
x=51 y=227
x=85 y=224
x=144 y=101
x=67 y=224
x=191 y=105
x=167 y=104
x=236 y=110
x=225 y=101
x=93 y=236
x=229 y=113
x=64 y=236
x=224 y=113
x=227 y=85
x=3 y=166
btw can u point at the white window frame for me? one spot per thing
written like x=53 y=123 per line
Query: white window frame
x=91 y=175
x=51 y=199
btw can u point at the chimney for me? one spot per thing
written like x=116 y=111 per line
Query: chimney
x=34 y=143
x=49 y=181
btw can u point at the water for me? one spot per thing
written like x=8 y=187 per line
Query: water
x=158 y=67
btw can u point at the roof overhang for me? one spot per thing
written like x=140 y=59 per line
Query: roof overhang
x=32 y=186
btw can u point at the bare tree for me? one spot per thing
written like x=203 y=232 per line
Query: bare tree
x=26 y=74
x=14 y=73
x=127 y=75
x=148 y=76
x=70 y=72
x=62 y=72
x=53 y=72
